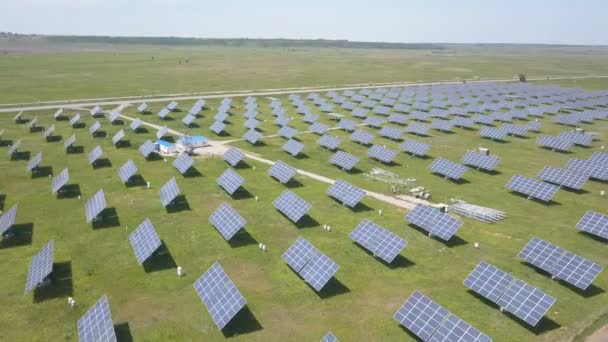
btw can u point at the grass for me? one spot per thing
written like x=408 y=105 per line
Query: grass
x=151 y=303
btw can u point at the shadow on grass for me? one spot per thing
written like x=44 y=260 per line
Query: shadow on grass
x=5 y=143
x=455 y=181
x=102 y=163
x=160 y=260
x=21 y=155
x=36 y=129
x=294 y=183
x=79 y=125
x=553 y=150
x=22 y=235
x=301 y=156
x=141 y=130
x=75 y=150
x=69 y=191
x=118 y=122
x=241 y=194
x=42 y=172
x=591 y=291
x=60 y=285
x=545 y=324
x=107 y=219
x=399 y=261
x=307 y=221
x=179 y=204
x=362 y=207
x=2 y=201
x=241 y=239
x=333 y=288
x=244 y=322
x=54 y=138
x=193 y=173
x=154 y=157
x=535 y=200
x=123 y=332
x=136 y=180
x=241 y=165
x=454 y=241
x=123 y=144
x=353 y=171
x=100 y=134
x=594 y=237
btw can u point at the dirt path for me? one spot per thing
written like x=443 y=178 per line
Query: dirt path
x=600 y=335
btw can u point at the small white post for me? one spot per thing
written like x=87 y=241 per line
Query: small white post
x=148 y=185
x=256 y=198
x=264 y=248
x=328 y=228
x=476 y=244
x=380 y=212
x=254 y=168
x=180 y=271
x=260 y=245
x=79 y=197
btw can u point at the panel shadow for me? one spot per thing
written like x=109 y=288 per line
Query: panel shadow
x=160 y=260
x=18 y=235
x=244 y=322
x=60 y=285
x=108 y=219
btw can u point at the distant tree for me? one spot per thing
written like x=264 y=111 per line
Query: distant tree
x=522 y=77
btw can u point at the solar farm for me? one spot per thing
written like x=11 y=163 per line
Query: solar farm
x=282 y=228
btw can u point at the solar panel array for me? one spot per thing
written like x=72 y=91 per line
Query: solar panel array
x=233 y=156
x=126 y=171
x=135 y=124
x=362 y=137
x=252 y=136
x=329 y=142
x=329 y=337
x=287 y=132
x=555 y=143
x=594 y=223
x=391 y=132
x=227 y=221
x=434 y=222
x=94 y=155
x=7 y=220
x=118 y=137
x=291 y=205
x=417 y=128
x=593 y=169
x=561 y=263
x=381 y=242
x=415 y=147
x=511 y=294
x=34 y=162
x=383 y=154
x=183 y=163
x=230 y=181
x=217 y=127
x=563 y=177
x=94 y=127
x=344 y=160
x=311 y=264
x=147 y=148
x=219 y=295
x=49 y=132
x=144 y=241
x=493 y=133
x=293 y=147
x=347 y=125
x=532 y=187
x=430 y=321
x=40 y=267
x=168 y=192
x=448 y=168
x=162 y=132
x=346 y=193
x=318 y=128
x=74 y=120
x=69 y=142
x=480 y=160
x=282 y=172
x=95 y=206
x=578 y=138
x=96 y=324
x=60 y=181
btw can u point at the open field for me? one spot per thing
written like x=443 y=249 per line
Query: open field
x=153 y=304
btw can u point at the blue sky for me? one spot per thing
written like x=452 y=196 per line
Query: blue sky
x=458 y=21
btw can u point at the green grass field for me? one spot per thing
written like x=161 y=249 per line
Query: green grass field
x=153 y=304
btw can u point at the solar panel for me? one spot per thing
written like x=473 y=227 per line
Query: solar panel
x=8 y=219
x=455 y=329
x=252 y=136
x=135 y=124
x=164 y=113
x=526 y=302
x=560 y=263
x=34 y=162
x=594 y=223
x=14 y=147
x=360 y=112
x=60 y=181
x=588 y=167
x=329 y=337
x=94 y=154
x=147 y=148
x=578 y=138
x=40 y=267
x=383 y=154
x=227 y=221
x=493 y=133
x=251 y=123
x=488 y=281
x=442 y=125
x=433 y=221
x=374 y=121
x=293 y=147
x=483 y=119
x=599 y=157
x=223 y=116
x=417 y=128
x=391 y=132
x=532 y=187
x=287 y=132
x=291 y=205
x=282 y=172
x=318 y=128
x=233 y=156
x=144 y=241
x=299 y=253
x=517 y=130
x=554 y=143
x=94 y=128
x=188 y=119
x=310 y=118
x=480 y=160
x=96 y=111
x=563 y=177
x=347 y=125
x=118 y=137
x=169 y=192
x=448 y=168
x=219 y=295
x=74 y=120
x=142 y=107
x=362 y=137
x=381 y=242
x=49 y=132
x=95 y=205
x=183 y=163
x=346 y=193
x=58 y=113
x=113 y=116
x=319 y=270
x=217 y=127
x=462 y=122
x=415 y=147
x=162 y=132
x=126 y=171
x=230 y=181
x=96 y=325
x=344 y=160
x=32 y=123
x=421 y=315
x=329 y=142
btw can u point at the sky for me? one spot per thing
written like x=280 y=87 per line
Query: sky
x=410 y=21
